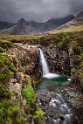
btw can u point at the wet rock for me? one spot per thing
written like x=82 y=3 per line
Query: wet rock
x=68 y=109
x=54 y=106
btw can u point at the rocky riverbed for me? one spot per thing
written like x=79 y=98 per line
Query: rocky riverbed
x=61 y=106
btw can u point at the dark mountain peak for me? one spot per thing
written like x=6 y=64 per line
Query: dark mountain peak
x=80 y=16
x=21 y=22
x=55 y=20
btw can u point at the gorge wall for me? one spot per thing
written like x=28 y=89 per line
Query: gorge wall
x=20 y=68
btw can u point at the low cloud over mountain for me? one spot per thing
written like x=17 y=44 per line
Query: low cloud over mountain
x=38 y=10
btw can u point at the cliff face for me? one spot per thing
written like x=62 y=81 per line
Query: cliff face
x=20 y=68
x=61 y=60
x=63 y=53
x=18 y=103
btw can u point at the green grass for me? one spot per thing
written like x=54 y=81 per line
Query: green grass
x=29 y=95
x=7 y=68
x=71 y=29
x=50 y=40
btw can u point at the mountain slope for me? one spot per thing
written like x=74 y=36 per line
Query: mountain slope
x=50 y=24
x=4 y=25
x=32 y=27
x=75 y=25
x=19 y=28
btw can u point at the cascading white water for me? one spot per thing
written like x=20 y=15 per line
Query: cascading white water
x=57 y=102
x=45 y=67
x=65 y=111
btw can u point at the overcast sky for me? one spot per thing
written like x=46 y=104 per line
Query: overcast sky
x=39 y=10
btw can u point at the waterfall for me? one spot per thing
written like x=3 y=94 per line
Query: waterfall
x=58 y=111
x=44 y=64
x=45 y=67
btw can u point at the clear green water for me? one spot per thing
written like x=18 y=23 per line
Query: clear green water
x=52 y=83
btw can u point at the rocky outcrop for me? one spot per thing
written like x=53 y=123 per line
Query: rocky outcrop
x=28 y=60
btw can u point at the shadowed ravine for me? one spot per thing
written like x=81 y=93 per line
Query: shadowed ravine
x=52 y=96
x=53 y=103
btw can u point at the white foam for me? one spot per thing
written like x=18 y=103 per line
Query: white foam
x=44 y=63
x=59 y=97
x=57 y=121
x=51 y=75
x=69 y=79
x=52 y=103
x=68 y=119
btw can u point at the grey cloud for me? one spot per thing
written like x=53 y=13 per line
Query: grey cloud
x=39 y=10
